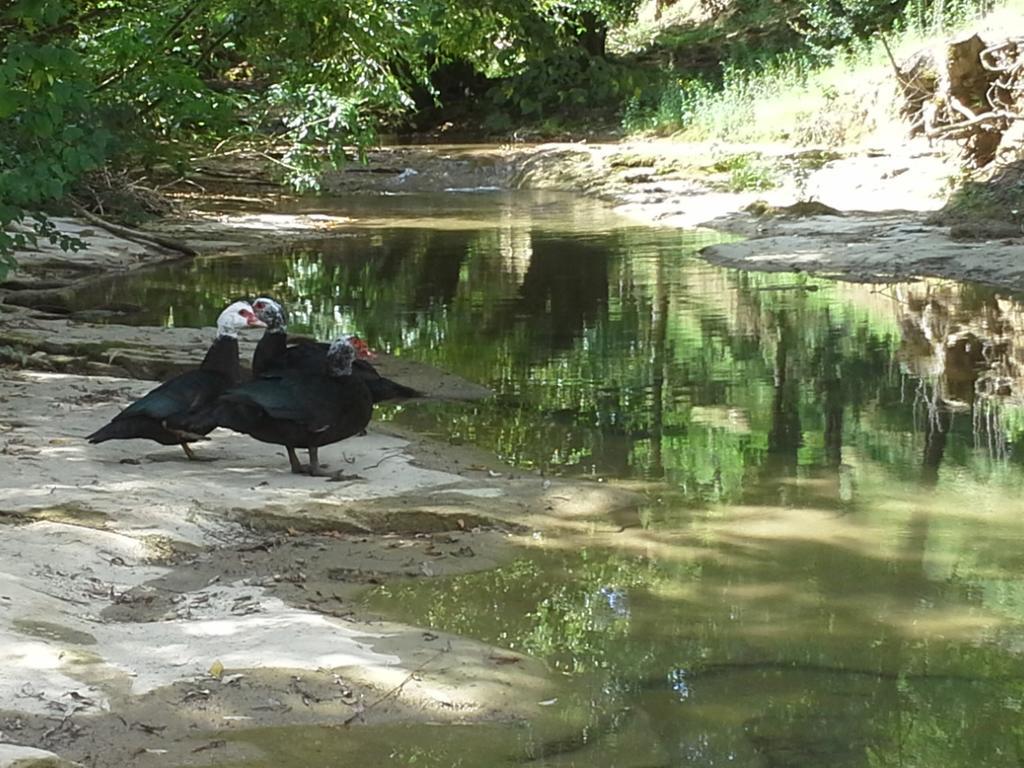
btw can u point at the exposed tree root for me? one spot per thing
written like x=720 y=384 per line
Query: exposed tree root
x=971 y=92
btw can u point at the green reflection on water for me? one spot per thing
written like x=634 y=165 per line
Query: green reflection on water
x=559 y=741
x=763 y=634
x=828 y=572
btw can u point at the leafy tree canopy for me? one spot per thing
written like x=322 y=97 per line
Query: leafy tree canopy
x=135 y=83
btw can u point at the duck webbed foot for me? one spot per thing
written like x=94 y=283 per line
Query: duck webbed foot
x=341 y=476
x=314 y=468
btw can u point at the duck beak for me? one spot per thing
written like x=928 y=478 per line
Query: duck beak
x=251 y=320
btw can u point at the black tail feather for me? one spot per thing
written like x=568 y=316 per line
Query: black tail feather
x=115 y=430
x=386 y=389
x=134 y=428
x=102 y=435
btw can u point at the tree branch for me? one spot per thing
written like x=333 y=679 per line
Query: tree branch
x=125 y=72
x=133 y=234
x=895 y=67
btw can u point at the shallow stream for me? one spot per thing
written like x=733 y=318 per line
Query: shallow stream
x=827 y=570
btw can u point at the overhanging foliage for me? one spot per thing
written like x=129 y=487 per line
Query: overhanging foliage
x=139 y=83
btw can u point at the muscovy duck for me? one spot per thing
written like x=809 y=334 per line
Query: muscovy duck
x=152 y=416
x=296 y=409
x=273 y=354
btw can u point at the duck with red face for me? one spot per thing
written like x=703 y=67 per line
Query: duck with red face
x=153 y=416
x=274 y=354
x=296 y=409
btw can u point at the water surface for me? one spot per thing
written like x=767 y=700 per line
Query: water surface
x=827 y=570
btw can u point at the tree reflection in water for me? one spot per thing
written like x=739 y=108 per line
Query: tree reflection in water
x=616 y=353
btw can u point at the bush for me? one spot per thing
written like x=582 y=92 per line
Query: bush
x=807 y=92
x=672 y=107
x=564 y=87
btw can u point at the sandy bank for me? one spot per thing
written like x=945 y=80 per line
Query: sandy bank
x=151 y=603
x=876 y=231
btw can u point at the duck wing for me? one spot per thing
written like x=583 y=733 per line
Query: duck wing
x=311 y=357
x=173 y=400
x=302 y=400
x=381 y=388
x=183 y=393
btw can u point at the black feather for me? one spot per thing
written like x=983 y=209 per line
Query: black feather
x=274 y=355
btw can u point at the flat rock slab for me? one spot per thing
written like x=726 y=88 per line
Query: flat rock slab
x=212 y=231
x=423 y=169
x=47 y=463
x=15 y=756
x=872 y=248
x=104 y=253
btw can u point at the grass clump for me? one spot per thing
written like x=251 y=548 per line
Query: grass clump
x=747 y=172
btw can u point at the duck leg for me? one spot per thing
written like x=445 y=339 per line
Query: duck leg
x=317 y=470
x=192 y=456
x=297 y=467
x=313 y=468
x=314 y=463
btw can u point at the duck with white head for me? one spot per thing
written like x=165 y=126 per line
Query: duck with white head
x=153 y=416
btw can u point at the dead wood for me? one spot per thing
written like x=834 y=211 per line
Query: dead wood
x=133 y=234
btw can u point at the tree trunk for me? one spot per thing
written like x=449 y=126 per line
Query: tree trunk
x=593 y=34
